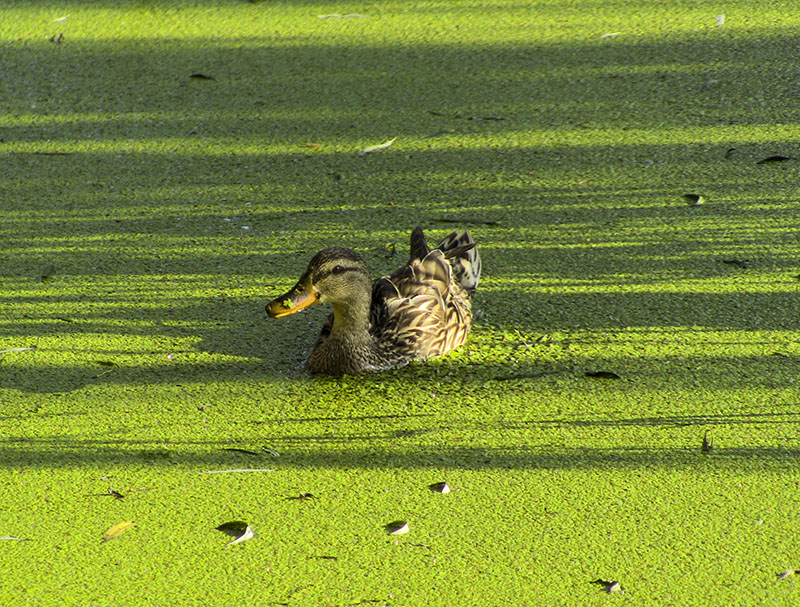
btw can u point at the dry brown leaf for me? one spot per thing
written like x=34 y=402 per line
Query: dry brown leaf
x=774 y=158
x=708 y=444
x=603 y=374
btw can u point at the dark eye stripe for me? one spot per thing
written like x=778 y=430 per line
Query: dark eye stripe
x=336 y=270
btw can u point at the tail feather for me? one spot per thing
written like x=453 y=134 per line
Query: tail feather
x=462 y=252
x=419 y=248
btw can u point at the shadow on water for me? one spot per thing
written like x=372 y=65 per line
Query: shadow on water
x=636 y=372
x=122 y=178
x=381 y=450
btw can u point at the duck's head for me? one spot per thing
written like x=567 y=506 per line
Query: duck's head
x=336 y=275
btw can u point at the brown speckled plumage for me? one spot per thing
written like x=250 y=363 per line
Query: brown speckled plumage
x=421 y=310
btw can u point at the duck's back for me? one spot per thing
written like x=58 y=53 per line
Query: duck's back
x=423 y=309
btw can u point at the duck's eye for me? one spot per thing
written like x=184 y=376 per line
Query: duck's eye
x=338 y=269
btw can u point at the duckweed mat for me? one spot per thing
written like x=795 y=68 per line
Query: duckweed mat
x=622 y=426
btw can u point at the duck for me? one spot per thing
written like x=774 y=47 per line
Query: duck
x=419 y=311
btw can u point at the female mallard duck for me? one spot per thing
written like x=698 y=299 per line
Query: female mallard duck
x=422 y=309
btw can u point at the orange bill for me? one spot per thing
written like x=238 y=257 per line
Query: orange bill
x=295 y=300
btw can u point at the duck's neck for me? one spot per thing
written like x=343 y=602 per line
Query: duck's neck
x=351 y=316
x=350 y=348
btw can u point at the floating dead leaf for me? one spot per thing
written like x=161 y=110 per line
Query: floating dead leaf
x=720 y=20
x=302 y=497
x=694 y=200
x=439 y=487
x=603 y=374
x=774 y=158
x=104 y=363
x=240 y=531
x=739 y=263
x=708 y=444
x=60 y=19
x=110 y=493
x=377 y=148
x=485 y=222
x=462 y=117
x=47 y=273
x=13 y=538
x=201 y=76
x=115 y=531
x=338 y=16
x=389 y=250
x=314 y=146
x=788 y=573
x=610 y=586
x=517 y=376
x=242 y=451
x=10 y=350
x=610 y=35
x=397 y=528
x=237 y=470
